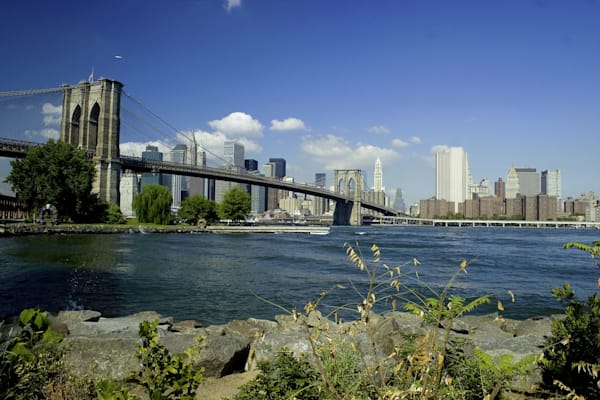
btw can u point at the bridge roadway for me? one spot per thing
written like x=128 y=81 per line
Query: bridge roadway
x=17 y=149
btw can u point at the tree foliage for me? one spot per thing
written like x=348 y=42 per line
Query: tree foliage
x=572 y=354
x=153 y=205
x=197 y=207
x=236 y=205
x=57 y=174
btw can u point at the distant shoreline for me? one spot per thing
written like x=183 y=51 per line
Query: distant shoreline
x=23 y=229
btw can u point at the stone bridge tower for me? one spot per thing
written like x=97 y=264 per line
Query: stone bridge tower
x=91 y=121
x=350 y=183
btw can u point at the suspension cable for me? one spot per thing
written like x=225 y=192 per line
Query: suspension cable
x=30 y=92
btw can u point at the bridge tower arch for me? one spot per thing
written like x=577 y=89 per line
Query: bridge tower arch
x=91 y=121
x=350 y=183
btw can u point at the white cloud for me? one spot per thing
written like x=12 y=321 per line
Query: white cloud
x=288 y=124
x=379 y=130
x=439 y=147
x=399 y=143
x=46 y=133
x=238 y=124
x=415 y=140
x=334 y=152
x=231 y=4
x=51 y=113
x=135 y=149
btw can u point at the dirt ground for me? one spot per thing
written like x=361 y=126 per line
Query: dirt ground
x=226 y=387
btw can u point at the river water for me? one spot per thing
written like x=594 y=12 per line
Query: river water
x=215 y=278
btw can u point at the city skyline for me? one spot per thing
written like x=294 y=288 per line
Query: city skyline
x=333 y=85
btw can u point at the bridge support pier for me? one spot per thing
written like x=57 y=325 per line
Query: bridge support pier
x=349 y=182
x=91 y=121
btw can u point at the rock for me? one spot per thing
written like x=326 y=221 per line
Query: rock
x=109 y=357
x=187 y=326
x=107 y=346
x=74 y=316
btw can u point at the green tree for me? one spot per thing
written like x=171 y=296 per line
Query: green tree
x=113 y=215
x=236 y=204
x=197 y=207
x=153 y=205
x=57 y=174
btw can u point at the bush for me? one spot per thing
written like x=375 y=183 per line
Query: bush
x=113 y=215
x=286 y=377
x=164 y=375
x=572 y=354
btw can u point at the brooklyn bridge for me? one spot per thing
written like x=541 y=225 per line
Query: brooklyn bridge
x=91 y=121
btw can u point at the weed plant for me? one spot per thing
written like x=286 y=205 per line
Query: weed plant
x=350 y=364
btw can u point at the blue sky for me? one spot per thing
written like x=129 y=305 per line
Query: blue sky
x=331 y=84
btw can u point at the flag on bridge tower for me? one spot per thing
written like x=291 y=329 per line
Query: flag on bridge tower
x=91 y=76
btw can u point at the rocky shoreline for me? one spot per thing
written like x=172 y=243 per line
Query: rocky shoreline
x=105 y=347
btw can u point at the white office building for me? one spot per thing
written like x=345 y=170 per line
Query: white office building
x=452 y=175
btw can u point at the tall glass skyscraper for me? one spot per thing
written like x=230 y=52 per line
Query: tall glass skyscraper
x=279 y=164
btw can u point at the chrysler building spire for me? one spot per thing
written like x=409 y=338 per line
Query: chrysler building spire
x=378 y=176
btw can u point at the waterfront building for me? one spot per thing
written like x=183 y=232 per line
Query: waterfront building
x=434 y=208
x=580 y=206
x=291 y=205
x=452 y=175
x=491 y=206
x=551 y=185
x=500 y=189
x=414 y=210
x=529 y=181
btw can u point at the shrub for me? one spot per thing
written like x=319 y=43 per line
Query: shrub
x=164 y=375
x=31 y=359
x=286 y=377
x=572 y=354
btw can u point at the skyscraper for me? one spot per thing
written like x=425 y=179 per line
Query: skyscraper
x=500 y=189
x=179 y=184
x=529 y=181
x=233 y=153
x=451 y=175
x=378 y=178
x=320 y=179
x=148 y=178
x=551 y=184
x=512 y=183
x=279 y=165
x=399 y=203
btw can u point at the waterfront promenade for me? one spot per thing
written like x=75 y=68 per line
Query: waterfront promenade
x=388 y=220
